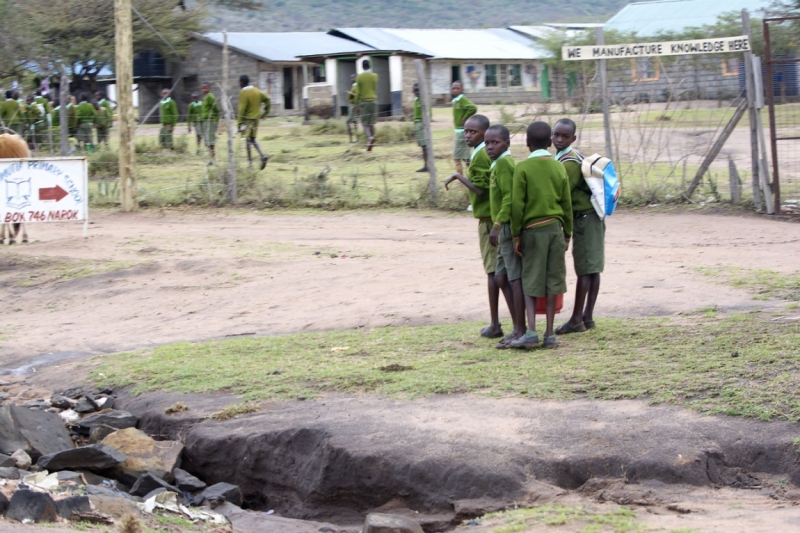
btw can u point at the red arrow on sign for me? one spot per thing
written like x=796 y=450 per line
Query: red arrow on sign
x=52 y=193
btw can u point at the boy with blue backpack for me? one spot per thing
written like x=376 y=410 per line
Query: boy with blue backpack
x=588 y=234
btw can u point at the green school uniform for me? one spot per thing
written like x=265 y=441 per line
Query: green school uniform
x=501 y=178
x=479 y=171
x=109 y=109
x=367 y=95
x=209 y=114
x=72 y=118
x=168 y=111
x=580 y=192
x=85 y=115
x=462 y=110
x=102 y=122
x=44 y=102
x=56 y=117
x=419 y=126
x=540 y=192
x=194 y=113
x=250 y=101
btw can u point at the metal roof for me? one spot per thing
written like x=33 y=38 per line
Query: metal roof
x=494 y=43
x=648 y=19
x=534 y=32
x=287 y=46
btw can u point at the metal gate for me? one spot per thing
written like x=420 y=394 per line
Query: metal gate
x=783 y=98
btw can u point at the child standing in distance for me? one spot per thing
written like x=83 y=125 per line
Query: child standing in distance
x=462 y=110
x=419 y=128
x=589 y=233
x=209 y=115
x=102 y=124
x=250 y=102
x=508 y=273
x=352 y=110
x=193 y=117
x=541 y=226
x=478 y=185
x=169 y=117
x=367 y=97
x=85 y=116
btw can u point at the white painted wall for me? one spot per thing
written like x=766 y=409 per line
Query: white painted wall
x=395 y=73
x=331 y=73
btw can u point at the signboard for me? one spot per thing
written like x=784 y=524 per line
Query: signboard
x=666 y=48
x=44 y=190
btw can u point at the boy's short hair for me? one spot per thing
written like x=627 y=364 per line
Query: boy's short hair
x=569 y=122
x=245 y=79
x=500 y=130
x=84 y=97
x=101 y=94
x=539 y=134
x=365 y=64
x=9 y=94
x=195 y=94
x=482 y=121
x=205 y=84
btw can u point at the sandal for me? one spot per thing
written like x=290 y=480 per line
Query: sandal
x=504 y=344
x=566 y=327
x=487 y=332
x=589 y=324
x=550 y=342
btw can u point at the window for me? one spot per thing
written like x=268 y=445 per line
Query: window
x=730 y=66
x=645 y=69
x=491 y=75
x=515 y=75
x=318 y=74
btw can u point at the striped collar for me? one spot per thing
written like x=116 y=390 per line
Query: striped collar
x=504 y=154
x=540 y=153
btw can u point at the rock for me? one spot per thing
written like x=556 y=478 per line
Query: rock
x=70 y=416
x=99 y=490
x=62 y=402
x=11 y=473
x=41 y=403
x=68 y=475
x=387 y=523
x=144 y=454
x=98 y=433
x=33 y=506
x=73 y=504
x=6 y=461
x=147 y=483
x=220 y=492
x=152 y=493
x=187 y=482
x=113 y=505
x=73 y=393
x=21 y=459
x=92 y=457
x=36 y=432
x=105 y=402
x=84 y=405
x=3 y=504
x=114 y=419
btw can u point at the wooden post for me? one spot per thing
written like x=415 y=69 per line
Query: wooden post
x=426 y=123
x=715 y=149
x=228 y=120
x=602 y=65
x=749 y=77
x=63 y=117
x=123 y=22
x=735 y=182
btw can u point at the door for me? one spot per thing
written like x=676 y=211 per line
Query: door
x=288 y=88
x=455 y=73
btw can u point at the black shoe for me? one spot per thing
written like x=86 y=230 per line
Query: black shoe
x=423 y=170
x=264 y=160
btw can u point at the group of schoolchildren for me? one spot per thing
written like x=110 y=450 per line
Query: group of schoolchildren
x=528 y=212
x=37 y=120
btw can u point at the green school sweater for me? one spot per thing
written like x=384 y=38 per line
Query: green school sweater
x=194 y=112
x=11 y=113
x=102 y=120
x=109 y=109
x=34 y=113
x=209 y=109
x=479 y=176
x=56 y=117
x=85 y=113
x=352 y=94
x=578 y=189
x=42 y=100
x=417 y=110
x=169 y=111
x=540 y=191
x=462 y=110
x=250 y=100
x=501 y=178
x=366 y=87
x=72 y=117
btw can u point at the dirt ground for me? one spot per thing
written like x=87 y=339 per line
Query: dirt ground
x=190 y=275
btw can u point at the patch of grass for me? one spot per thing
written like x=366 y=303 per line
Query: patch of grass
x=177 y=407
x=796 y=442
x=765 y=284
x=26 y=271
x=620 y=520
x=742 y=364
x=235 y=410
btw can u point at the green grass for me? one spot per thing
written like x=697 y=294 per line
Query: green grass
x=25 y=271
x=741 y=364
x=619 y=520
x=764 y=284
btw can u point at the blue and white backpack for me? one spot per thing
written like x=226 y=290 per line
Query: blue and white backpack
x=601 y=177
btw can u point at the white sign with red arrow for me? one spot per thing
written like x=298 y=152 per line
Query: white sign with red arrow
x=44 y=190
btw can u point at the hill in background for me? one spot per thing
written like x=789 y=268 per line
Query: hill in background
x=322 y=15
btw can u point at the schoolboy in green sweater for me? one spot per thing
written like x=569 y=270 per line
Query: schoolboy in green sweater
x=85 y=116
x=462 y=110
x=102 y=124
x=11 y=113
x=209 y=114
x=478 y=187
x=588 y=248
x=541 y=226
x=419 y=128
x=250 y=101
x=169 y=118
x=508 y=272
x=367 y=98
x=194 y=113
x=352 y=110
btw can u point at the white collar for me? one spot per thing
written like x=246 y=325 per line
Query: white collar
x=565 y=151
x=248 y=87
x=540 y=153
x=459 y=97
x=504 y=154
x=476 y=150
x=165 y=100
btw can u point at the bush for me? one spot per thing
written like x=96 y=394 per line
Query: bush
x=404 y=132
x=329 y=127
x=103 y=164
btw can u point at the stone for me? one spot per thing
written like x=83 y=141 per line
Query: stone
x=187 y=482
x=98 y=433
x=11 y=473
x=84 y=405
x=70 y=416
x=99 y=490
x=104 y=402
x=220 y=492
x=114 y=419
x=387 y=523
x=68 y=475
x=144 y=454
x=33 y=506
x=35 y=432
x=93 y=457
x=73 y=393
x=6 y=461
x=21 y=459
x=147 y=483
x=61 y=401
x=73 y=504
x=3 y=504
x=152 y=493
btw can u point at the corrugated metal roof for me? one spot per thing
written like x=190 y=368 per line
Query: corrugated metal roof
x=648 y=19
x=494 y=43
x=287 y=46
x=534 y=32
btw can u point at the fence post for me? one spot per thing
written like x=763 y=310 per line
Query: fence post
x=426 y=123
x=228 y=120
x=769 y=205
x=603 y=65
x=63 y=117
x=773 y=134
x=123 y=22
x=749 y=77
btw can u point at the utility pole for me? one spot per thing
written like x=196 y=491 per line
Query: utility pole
x=601 y=40
x=123 y=23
